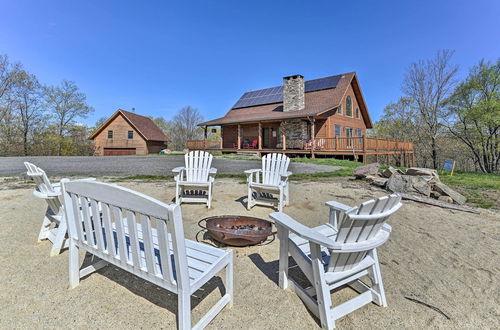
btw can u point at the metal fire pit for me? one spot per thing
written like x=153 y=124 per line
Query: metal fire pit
x=237 y=230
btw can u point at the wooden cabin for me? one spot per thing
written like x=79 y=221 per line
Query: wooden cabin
x=127 y=133
x=325 y=116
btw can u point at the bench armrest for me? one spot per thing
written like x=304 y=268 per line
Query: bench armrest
x=285 y=221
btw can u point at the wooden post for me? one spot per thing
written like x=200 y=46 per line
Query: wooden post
x=336 y=143
x=260 y=136
x=376 y=158
x=364 y=143
x=313 y=135
x=205 y=140
x=388 y=159
x=239 y=137
x=283 y=138
x=376 y=146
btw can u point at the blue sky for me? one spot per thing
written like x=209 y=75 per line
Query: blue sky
x=159 y=56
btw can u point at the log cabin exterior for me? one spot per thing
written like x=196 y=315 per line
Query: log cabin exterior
x=127 y=133
x=326 y=116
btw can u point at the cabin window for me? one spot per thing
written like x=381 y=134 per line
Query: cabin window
x=337 y=130
x=359 y=132
x=130 y=134
x=357 y=113
x=339 y=109
x=110 y=134
x=348 y=106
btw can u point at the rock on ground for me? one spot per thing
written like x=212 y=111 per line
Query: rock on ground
x=445 y=190
x=363 y=171
x=422 y=171
x=409 y=184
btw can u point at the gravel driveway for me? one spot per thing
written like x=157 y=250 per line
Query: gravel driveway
x=133 y=165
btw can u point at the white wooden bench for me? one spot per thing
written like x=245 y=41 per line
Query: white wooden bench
x=144 y=237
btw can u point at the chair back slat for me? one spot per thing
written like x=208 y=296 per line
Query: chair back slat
x=114 y=222
x=359 y=225
x=43 y=186
x=198 y=164
x=273 y=166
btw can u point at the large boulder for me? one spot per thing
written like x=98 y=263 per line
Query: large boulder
x=408 y=184
x=446 y=199
x=390 y=171
x=447 y=191
x=419 y=171
x=377 y=181
x=363 y=171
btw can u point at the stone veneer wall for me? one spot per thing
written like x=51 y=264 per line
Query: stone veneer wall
x=293 y=93
x=295 y=132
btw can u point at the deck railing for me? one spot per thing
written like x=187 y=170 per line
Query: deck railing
x=348 y=144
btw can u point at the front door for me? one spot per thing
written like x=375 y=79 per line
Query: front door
x=269 y=137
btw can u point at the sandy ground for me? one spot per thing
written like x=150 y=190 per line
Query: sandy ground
x=445 y=258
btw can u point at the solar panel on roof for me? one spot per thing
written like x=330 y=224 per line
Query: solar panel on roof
x=275 y=94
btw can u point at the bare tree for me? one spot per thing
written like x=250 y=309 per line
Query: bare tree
x=67 y=104
x=428 y=84
x=9 y=74
x=27 y=103
x=185 y=126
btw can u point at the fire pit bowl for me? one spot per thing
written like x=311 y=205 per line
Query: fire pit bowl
x=237 y=230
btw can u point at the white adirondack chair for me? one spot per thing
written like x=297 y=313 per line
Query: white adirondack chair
x=271 y=179
x=195 y=178
x=54 y=213
x=338 y=253
x=144 y=237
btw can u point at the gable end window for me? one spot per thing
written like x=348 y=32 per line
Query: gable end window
x=348 y=106
x=357 y=113
x=339 y=109
x=130 y=134
x=110 y=134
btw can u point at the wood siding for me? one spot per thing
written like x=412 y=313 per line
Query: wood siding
x=120 y=128
x=343 y=120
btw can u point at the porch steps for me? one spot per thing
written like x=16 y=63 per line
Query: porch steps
x=248 y=154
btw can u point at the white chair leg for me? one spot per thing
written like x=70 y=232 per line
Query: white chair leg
x=229 y=280
x=283 y=261
x=57 y=245
x=177 y=194
x=209 y=200
x=281 y=200
x=322 y=291
x=249 y=200
x=44 y=230
x=74 y=265
x=376 y=278
x=184 y=311
x=287 y=194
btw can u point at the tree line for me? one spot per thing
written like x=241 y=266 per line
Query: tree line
x=448 y=118
x=43 y=120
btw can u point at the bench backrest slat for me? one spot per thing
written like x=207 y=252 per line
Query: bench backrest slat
x=140 y=233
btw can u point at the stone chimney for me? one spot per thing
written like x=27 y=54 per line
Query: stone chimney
x=293 y=93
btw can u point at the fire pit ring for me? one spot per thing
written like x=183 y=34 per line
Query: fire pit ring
x=237 y=230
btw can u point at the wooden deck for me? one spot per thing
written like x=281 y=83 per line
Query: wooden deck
x=357 y=147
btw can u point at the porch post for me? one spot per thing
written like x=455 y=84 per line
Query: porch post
x=313 y=136
x=205 y=139
x=239 y=137
x=260 y=136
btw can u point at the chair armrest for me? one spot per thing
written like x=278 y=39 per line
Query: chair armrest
x=248 y=172
x=178 y=169
x=299 y=229
x=338 y=206
x=47 y=195
x=213 y=171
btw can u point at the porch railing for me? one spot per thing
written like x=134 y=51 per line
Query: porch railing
x=348 y=144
